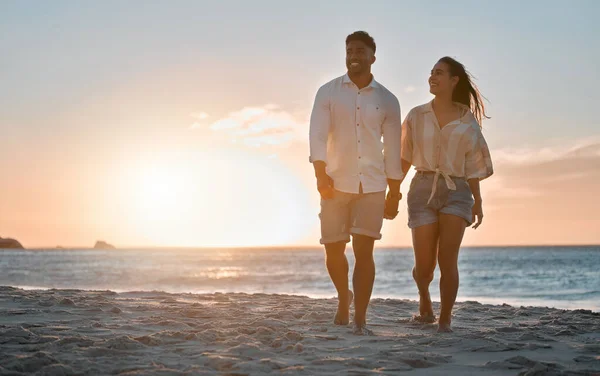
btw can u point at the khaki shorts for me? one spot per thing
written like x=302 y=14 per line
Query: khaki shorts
x=351 y=214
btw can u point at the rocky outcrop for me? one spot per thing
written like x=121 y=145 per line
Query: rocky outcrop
x=100 y=244
x=10 y=243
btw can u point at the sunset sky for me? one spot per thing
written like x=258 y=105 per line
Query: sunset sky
x=185 y=123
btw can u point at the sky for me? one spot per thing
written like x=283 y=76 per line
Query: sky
x=185 y=123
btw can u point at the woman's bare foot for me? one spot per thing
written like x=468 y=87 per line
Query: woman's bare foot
x=425 y=309
x=342 y=316
x=362 y=330
x=444 y=327
x=428 y=318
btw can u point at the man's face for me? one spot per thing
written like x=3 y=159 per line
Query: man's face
x=359 y=57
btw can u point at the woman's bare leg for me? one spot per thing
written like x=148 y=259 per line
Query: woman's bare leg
x=451 y=229
x=425 y=244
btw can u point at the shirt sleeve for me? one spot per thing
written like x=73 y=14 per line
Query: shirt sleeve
x=392 y=135
x=320 y=123
x=407 y=138
x=478 y=163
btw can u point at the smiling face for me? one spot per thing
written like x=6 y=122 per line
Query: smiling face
x=441 y=81
x=359 y=57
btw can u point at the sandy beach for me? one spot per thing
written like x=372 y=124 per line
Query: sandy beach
x=70 y=332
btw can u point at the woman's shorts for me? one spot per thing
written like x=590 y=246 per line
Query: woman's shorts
x=457 y=202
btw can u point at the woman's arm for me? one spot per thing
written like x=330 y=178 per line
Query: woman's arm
x=394 y=184
x=394 y=196
x=478 y=205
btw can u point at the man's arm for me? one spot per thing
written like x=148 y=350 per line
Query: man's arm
x=320 y=123
x=392 y=136
x=394 y=188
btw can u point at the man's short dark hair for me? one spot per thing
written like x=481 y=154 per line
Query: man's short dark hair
x=362 y=36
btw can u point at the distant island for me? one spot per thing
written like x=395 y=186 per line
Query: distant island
x=100 y=244
x=10 y=243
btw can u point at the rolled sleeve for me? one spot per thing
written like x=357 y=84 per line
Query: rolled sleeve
x=478 y=164
x=392 y=136
x=407 y=139
x=320 y=123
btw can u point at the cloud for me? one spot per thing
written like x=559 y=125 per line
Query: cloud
x=410 y=89
x=198 y=116
x=557 y=181
x=260 y=126
x=583 y=148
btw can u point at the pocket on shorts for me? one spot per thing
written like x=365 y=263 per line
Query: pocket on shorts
x=467 y=187
x=418 y=192
x=463 y=197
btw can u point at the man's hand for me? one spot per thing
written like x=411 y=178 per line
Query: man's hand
x=325 y=186
x=477 y=213
x=391 y=205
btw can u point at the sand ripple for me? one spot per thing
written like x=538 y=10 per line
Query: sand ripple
x=75 y=332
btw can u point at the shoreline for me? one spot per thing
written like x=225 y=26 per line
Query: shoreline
x=513 y=302
x=87 y=332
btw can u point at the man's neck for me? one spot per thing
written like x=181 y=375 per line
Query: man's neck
x=362 y=80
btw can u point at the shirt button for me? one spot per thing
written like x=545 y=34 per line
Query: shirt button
x=358 y=108
x=359 y=157
x=358 y=125
x=359 y=141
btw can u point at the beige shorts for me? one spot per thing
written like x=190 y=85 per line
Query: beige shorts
x=351 y=214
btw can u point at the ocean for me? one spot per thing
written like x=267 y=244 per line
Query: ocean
x=560 y=277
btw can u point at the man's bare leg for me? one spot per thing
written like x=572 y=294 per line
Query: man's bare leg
x=337 y=266
x=363 y=277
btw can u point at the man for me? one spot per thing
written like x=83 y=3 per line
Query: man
x=353 y=167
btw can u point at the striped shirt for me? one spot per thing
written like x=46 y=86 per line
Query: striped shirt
x=458 y=149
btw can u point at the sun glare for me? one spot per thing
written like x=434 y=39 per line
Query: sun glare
x=161 y=190
x=232 y=198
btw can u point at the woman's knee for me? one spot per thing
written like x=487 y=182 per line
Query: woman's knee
x=449 y=269
x=423 y=274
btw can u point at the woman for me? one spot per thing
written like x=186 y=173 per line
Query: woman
x=443 y=140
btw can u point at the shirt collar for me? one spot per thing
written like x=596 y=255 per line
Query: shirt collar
x=429 y=107
x=466 y=116
x=373 y=84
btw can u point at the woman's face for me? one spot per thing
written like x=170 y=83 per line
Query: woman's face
x=440 y=80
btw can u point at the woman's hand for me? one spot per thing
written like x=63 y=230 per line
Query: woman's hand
x=477 y=213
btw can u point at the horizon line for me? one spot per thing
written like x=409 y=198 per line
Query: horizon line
x=288 y=247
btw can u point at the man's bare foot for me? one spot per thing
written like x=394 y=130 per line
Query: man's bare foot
x=444 y=327
x=342 y=316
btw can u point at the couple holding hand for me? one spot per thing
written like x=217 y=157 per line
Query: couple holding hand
x=359 y=147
